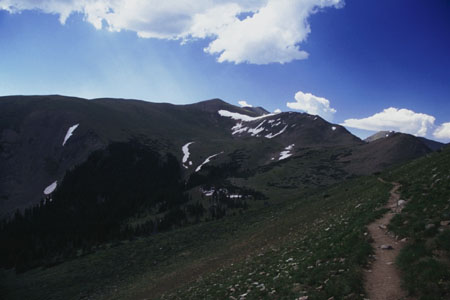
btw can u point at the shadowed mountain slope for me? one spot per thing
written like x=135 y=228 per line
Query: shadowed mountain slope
x=33 y=129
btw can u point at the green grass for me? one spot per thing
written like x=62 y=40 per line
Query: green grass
x=321 y=253
x=425 y=261
x=295 y=176
x=314 y=245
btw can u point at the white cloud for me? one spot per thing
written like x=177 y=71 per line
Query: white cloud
x=403 y=120
x=271 y=33
x=244 y=103
x=312 y=105
x=277 y=111
x=443 y=131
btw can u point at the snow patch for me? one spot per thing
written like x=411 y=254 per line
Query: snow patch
x=284 y=155
x=258 y=129
x=238 y=128
x=207 y=160
x=241 y=117
x=222 y=191
x=69 y=133
x=186 y=154
x=51 y=188
x=287 y=152
x=271 y=136
x=290 y=147
x=333 y=128
x=208 y=193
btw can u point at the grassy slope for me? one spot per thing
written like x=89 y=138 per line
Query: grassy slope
x=305 y=245
x=315 y=247
x=308 y=168
x=426 y=260
x=323 y=234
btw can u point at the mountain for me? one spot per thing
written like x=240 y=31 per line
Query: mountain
x=33 y=129
x=129 y=199
x=84 y=159
x=389 y=150
x=379 y=135
x=259 y=110
x=313 y=244
x=432 y=145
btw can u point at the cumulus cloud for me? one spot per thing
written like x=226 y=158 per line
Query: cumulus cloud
x=403 y=120
x=313 y=105
x=277 y=111
x=443 y=131
x=244 y=103
x=271 y=32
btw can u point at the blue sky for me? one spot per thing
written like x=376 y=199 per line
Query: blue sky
x=351 y=64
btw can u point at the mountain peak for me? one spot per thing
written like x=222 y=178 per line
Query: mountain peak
x=214 y=101
x=258 y=110
x=214 y=105
x=432 y=145
x=379 y=135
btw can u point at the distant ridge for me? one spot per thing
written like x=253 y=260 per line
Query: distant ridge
x=432 y=145
x=379 y=135
x=259 y=110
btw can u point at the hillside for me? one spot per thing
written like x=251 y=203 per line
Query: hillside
x=34 y=128
x=394 y=149
x=425 y=224
x=379 y=135
x=183 y=197
x=291 y=248
x=433 y=145
x=99 y=162
x=312 y=246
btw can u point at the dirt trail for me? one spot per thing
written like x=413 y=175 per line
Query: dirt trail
x=383 y=281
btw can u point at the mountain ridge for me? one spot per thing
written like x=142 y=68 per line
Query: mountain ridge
x=433 y=145
x=32 y=129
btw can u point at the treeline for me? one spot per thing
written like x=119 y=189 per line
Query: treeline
x=124 y=191
x=92 y=203
x=210 y=175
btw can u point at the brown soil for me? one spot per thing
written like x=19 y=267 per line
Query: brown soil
x=383 y=280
